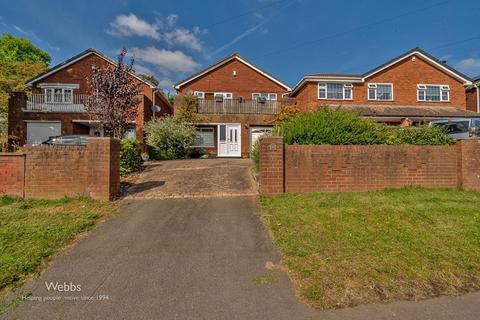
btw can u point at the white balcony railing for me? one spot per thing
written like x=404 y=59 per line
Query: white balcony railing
x=36 y=102
x=231 y=106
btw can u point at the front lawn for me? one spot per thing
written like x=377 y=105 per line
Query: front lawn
x=31 y=231
x=345 y=249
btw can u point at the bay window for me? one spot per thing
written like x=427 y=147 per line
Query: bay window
x=335 y=91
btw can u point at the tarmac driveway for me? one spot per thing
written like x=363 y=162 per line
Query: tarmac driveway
x=194 y=178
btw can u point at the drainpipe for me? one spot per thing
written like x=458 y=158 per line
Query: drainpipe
x=153 y=107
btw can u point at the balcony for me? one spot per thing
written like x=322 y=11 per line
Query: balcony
x=36 y=103
x=231 y=106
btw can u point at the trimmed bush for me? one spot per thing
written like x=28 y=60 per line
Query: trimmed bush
x=330 y=126
x=130 y=159
x=170 y=138
x=422 y=136
x=342 y=127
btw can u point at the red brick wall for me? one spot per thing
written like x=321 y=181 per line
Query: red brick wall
x=328 y=168
x=271 y=165
x=471 y=101
x=12 y=174
x=246 y=82
x=58 y=171
x=405 y=75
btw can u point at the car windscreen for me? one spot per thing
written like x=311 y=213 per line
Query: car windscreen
x=454 y=127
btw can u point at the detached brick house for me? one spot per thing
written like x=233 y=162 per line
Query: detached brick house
x=56 y=107
x=238 y=102
x=414 y=86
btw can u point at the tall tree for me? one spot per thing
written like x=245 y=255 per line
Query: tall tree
x=114 y=96
x=19 y=61
x=149 y=78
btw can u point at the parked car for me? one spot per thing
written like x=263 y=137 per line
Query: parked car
x=67 y=141
x=459 y=128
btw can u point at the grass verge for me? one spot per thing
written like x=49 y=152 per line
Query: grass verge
x=346 y=249
x=31 y=231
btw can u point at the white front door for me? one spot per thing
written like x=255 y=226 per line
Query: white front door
x=38 y=132
x=229 y=140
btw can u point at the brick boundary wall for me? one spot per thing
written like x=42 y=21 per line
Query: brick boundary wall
x=49 y=172
x=12 y=174
x=329 y=168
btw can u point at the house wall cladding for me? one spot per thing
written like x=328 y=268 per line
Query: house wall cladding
x=244 y=83
x=405 y=76
x=48 y=172
x=328 y=168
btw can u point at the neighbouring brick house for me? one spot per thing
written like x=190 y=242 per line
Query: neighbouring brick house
x=55 y=106
x=237 y=102
x=412 y=87
x=473 y=95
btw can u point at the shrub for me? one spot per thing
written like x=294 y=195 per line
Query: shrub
x=422 y=136
x=170 y=137
x=255 y=155
x=342 y=127
x=130 y=159
x=330 y=126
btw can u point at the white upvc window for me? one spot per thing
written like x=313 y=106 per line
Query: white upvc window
x=222 y=95
x=199 y=94
x=205 y=138
x=265 y=95
x=335 y=91
x=58 y=95
x=380 y=91
x=433 y=93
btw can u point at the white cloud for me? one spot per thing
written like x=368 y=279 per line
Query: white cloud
x=165 y=60
x=469 y=65
x=143 y=70
x=130 y=25
x=237 y=38
x=172 y=20
x=183 y=37
x=165 y=84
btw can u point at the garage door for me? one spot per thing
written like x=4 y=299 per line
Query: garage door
x=37 y=132
x=256 y=133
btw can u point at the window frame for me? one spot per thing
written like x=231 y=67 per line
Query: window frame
x=224 y=94
x=424 y=87
x=207 y=129
x=374 y=85
x=197 y=94
x=324 y=85
x=268 y=94
x=53 y=94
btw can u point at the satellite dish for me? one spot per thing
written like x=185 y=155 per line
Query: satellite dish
x=156 y=108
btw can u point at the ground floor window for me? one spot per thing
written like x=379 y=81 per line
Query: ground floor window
x=205 y=137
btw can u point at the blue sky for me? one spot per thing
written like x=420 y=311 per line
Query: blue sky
x=288 y=38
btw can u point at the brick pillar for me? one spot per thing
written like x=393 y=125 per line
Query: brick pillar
x=103 y=167
x=468 y=164
x=16 y=127
x=271 y=166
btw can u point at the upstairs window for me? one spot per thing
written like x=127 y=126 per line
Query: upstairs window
x=380 y=91
x=433 y=93
x=264 y=95
x=58 y=95
x=335 y=91
x=199 y=94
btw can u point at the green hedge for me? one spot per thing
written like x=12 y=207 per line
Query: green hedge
x=342 y=127
x=130 y=159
